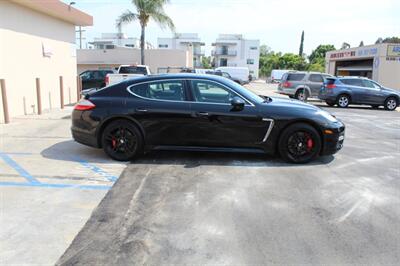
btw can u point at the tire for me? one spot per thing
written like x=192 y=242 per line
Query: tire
x=343 y=100
x=391 y=103
x=331 y=104
x=299 y=143
x=301 y=95
x=122 y=140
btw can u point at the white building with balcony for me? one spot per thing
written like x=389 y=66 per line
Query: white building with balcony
x=182 y=41
x=233 y=50
x=114 y=40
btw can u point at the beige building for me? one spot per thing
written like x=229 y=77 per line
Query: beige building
x=38 y=41
x=157 y=59
x=380 y=62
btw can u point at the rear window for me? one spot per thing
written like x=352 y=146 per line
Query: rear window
x=133 y=70
x=295 y=76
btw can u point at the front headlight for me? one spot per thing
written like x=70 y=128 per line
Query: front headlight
x=328 y=116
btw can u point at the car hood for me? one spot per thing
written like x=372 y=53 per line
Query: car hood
x=391 y=90
x=291 y=103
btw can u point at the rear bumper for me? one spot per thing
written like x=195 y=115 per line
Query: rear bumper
x=84 y=138
x=333 y=142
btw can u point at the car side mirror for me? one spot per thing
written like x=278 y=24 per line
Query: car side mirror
x=237 y=103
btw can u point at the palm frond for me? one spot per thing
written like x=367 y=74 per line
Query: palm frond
x=126 y=17
x=163 y=20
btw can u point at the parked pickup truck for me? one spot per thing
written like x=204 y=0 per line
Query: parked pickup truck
x=126 y=72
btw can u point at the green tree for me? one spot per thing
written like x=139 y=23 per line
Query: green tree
x=388 y=40
x=320 y=52
x=146 y=10
x=206 y=62
x=301 y=44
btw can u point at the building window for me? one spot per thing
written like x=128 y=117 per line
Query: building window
x=110 y=46
x=250 y=61
x=130 y=45
x=163 y=46
x=223 y=62
x=253 y=48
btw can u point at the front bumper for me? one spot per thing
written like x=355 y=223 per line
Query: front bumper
x=333 y=142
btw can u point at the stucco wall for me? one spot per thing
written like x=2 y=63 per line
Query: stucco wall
x=154 y=58
x=24 y=34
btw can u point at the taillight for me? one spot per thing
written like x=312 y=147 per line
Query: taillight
x=107 y=80
x=330 y=86
x=84 y=105
x=287 y=84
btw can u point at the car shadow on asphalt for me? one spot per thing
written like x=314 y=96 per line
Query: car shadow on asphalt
x=72 y=151
x=357 y=107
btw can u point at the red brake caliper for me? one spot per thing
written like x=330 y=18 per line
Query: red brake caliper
x=310 y=144
x=114 y=143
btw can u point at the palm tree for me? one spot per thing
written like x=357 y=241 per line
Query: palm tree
x=146 y=10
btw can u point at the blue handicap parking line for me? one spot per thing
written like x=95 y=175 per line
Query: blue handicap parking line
x=97 y=170
x=7 y=159
x=47 y=185
x=33 y=182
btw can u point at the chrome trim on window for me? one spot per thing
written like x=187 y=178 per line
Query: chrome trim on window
x=166 y=80
x=271 y=125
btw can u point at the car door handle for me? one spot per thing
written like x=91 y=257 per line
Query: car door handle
x=141 y=110
x=202 y=114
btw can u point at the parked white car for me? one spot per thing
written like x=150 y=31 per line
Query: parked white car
x=126 y=72
x=239 y=73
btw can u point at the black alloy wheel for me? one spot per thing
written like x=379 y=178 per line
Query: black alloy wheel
x=299 y=143
x=122 y=141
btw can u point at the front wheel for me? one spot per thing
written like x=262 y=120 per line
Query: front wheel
x=299 y=143
x=391 y=104
x=122 y=140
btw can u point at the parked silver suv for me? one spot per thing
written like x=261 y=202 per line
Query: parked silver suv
x=301 y=85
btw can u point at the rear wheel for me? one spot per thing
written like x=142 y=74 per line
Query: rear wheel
x=391 y=104
x=122 y=140
x=299 y=143
x=301 y=95
x=343 y=101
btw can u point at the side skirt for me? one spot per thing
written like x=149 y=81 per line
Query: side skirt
x=208 y=149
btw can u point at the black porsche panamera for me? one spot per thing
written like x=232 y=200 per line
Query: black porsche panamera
x=201 y=112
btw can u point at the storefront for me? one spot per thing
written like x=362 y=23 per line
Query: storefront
x=379 y=62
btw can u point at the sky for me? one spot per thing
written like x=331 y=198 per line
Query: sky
x=276 y=23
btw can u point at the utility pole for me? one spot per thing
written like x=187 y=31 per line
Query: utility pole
x=80 y=31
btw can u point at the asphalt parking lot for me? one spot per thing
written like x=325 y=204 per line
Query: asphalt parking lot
x=199 y=208
x=206 y=208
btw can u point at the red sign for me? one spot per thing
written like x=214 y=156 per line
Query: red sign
x=343 y=54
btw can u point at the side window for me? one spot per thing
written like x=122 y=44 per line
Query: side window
x=164 y=90
x=295 y=77
x=370 y=84
x=316 y=78
x=210 y=92
x=352 y=82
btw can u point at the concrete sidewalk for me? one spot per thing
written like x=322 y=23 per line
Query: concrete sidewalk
x=49 y=186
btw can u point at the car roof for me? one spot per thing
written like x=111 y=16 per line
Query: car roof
x=157 y=77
